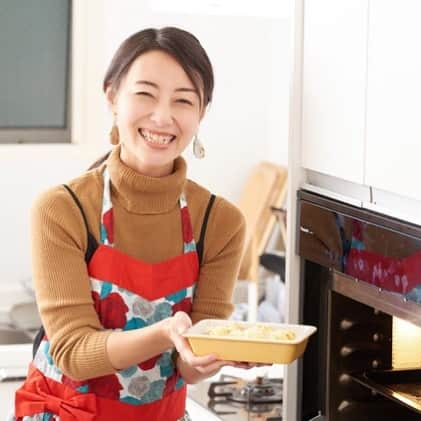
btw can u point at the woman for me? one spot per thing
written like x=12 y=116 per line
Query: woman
x=115 y=261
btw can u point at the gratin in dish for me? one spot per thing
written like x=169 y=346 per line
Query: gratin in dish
x=247 y=341
x=258 y=331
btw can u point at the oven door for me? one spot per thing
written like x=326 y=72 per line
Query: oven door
x=358 y=270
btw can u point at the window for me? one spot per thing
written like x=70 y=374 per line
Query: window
x=35 y=71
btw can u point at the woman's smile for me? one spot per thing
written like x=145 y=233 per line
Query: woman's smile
x=156 y=139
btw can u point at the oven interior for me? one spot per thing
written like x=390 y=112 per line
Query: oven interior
x=364 y=364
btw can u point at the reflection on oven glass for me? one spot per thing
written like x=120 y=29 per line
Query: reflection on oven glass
x=386 y=258
x=234 y=399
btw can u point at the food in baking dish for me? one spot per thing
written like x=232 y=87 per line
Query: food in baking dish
x=258 y=331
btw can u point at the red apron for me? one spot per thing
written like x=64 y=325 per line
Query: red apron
x=127 y=293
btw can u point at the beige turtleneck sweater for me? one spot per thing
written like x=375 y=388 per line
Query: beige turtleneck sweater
x=147 y=225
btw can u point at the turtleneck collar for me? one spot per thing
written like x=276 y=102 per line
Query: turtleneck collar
x=143 y=194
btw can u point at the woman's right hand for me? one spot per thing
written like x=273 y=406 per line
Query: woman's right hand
x=206 y=365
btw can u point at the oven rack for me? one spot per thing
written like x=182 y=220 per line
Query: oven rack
x=401 y=386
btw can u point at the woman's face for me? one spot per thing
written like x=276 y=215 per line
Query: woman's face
x=158 y=111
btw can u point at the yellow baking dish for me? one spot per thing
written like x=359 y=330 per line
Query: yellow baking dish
x=245 y=348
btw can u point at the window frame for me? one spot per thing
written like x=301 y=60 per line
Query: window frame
x=45 y=135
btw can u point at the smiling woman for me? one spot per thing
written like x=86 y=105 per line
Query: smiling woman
x=131 y=253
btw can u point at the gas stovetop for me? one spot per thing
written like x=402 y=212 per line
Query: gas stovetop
x=234 y=399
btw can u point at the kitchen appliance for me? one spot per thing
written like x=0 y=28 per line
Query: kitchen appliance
x=361 y=283
x=235 y=399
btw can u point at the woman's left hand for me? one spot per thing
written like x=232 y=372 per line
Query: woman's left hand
x=195 y=368
x=206 y=364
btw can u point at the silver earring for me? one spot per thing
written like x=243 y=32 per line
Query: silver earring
x=198 y=149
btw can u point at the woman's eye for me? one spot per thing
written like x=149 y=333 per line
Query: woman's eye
x=144 y=93
x=184 y=101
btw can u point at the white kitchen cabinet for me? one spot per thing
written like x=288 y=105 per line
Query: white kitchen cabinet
x=334 y=87
x=393 y=137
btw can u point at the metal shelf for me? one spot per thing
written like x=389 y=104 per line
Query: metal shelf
x=402 y=386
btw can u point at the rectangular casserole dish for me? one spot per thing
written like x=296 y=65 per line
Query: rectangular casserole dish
x=259 y=350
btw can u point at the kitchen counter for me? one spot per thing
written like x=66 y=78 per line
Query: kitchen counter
x=14 y=361
x=199 y=412
x=7 y=392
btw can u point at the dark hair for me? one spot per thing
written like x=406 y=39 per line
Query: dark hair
x=184 y=47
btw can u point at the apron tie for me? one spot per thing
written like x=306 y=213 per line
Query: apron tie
x=40 y=395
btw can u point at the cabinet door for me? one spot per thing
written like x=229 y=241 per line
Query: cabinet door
x=334 y=87
x=394 y=97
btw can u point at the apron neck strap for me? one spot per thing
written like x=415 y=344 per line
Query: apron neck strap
x=107 y=218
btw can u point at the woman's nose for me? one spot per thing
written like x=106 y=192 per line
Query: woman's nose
x=162 y=114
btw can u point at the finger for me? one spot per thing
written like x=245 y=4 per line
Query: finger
x=242 y=365
x=211 y=368
x=252 y=365
x=187 y=355
x=181 y=322
x=181 y=343
x=200 y=361
x=245 y=364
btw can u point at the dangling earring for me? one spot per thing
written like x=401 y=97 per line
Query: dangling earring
x=114 y=137
x=198 y=149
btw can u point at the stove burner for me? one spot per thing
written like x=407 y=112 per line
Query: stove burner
x=260 y=391
x=219 y=407
x=260 y=399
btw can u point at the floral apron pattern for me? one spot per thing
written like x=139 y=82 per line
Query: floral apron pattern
x=127 y=294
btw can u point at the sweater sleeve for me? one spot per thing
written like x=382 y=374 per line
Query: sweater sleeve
x=62 y=285
x=223 y=250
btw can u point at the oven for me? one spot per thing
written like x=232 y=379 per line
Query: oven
x=361 y=286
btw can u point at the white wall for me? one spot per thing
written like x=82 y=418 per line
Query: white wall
x=247 y=121
x=20 y=181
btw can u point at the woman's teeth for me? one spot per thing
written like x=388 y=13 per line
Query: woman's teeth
x=156 y=138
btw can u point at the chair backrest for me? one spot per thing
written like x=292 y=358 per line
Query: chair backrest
x=265 y=187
